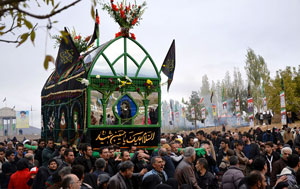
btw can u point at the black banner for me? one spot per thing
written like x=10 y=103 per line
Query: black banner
x=125 y=137
x=96 y=30
x=67 y=54
x=168 y=66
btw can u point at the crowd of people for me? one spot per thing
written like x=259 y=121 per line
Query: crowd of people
x=230 y=160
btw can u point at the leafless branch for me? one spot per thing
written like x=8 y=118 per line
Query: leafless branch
x=12 y=26
x=48 y=15
x=8 y=41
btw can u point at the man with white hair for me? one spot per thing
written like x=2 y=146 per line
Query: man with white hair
x=280 y=164
x=184 y=172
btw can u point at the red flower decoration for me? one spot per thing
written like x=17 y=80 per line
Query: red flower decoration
x=118 y=34
x=134 y=21
x=118 y=88
x=77 y=37
x=101 y=84
x=138 y=90
x=114 y=7
x=122 y=14
x=110 y=80
x=132 y=36
x=121 y=7
x=87 y=38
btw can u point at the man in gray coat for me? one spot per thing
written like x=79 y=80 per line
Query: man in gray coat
x=122 y=180
x=233 y=175
x=184 y=172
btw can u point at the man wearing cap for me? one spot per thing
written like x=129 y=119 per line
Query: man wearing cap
x=280 y=164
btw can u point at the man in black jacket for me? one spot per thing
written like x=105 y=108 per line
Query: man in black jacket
x=271 y=156
x=110 y=167
x=38 y=152
x=251 y=150
x=87 y=160
x=49 y=152
x=169 y=165
x=205 y=178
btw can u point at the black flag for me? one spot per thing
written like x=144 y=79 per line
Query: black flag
x=67 y=54
x=211 y=96
x=168 y=67
x=96 y=31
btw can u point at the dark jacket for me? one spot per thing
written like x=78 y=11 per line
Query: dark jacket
x=232 y=177
x=38 y=155
x=118 y=182
x=169 y=166
x=88 y=164
x=221 y=154
x=277 y=168
x=48 y=154
x=185 y=174
x=254 y=151
x=216 y=142
x=5 y=175
x=268 y=137
x=270 y=163
x=207 y=181
x=41 y=177
x=110 y=168
x=297 y=140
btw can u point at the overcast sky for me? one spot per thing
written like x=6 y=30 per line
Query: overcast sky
x=212 y=37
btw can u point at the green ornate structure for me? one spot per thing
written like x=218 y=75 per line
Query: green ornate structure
x=121 y=104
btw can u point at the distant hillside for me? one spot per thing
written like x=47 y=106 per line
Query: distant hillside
x=31 y=130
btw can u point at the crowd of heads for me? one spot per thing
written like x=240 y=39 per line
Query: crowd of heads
x=230 y=159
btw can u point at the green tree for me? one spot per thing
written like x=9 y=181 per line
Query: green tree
x=193 y=103
x=257 y=73
x=291 y=86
